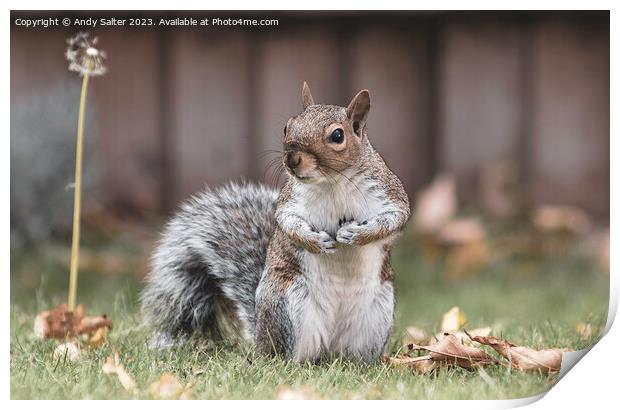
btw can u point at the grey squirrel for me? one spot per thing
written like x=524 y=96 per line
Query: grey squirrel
x=304 y=272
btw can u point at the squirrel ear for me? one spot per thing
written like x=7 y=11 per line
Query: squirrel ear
x=306 y=97
x=357 y=111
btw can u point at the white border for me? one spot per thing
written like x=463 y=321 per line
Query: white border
x=593 y=382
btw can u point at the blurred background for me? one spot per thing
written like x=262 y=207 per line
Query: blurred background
x=496 y=122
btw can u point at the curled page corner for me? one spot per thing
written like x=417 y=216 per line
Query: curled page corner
x=570 y=359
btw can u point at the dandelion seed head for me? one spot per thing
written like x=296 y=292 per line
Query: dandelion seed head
x=84 y=58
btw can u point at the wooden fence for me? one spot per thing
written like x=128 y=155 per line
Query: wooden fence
x=184 y=107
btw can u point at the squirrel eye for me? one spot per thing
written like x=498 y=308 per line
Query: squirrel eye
x=337 y=136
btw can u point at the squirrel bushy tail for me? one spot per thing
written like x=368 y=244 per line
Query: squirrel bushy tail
x=207 y=266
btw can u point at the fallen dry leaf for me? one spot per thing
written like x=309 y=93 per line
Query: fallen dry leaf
x=59 y=323
x=285 y=392
x=70 y=351
x=91 y=324
x=480 y=331
x=419 y=364
x=416 y=335
x=453 y=320
x=584 y=330
x=568 y=219
x=467 y=260
x=450 y=350
x=463 y=336
x=465 y=244
x=436 y=204
x=97 y=338
x=168 y=387
x=525 y=358
x=113 y=365
x=460 y=232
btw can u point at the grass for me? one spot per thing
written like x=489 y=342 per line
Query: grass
x=538 y=306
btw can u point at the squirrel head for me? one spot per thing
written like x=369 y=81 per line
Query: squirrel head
x=325 y=140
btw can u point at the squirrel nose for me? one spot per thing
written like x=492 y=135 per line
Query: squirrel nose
x=293 y=159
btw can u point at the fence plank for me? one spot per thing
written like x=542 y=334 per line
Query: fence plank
x=479 y=98
x=230 y=92
x=390 y=62
x=127 y=109
x=570 y=157
x=209 y=90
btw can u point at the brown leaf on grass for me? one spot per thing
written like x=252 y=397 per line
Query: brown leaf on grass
x=420 y=364
x=464 y=336
x=59 y=323
x=584 y=330
x=436 y=205
x=525 y=358
x=416 y=335
x=561 y=219
x=113 y=365
x=466 y=245
x=168 y=387
x=480 y=331
x=453 y=320
x=467 y=260
x=91 y=324
x=450 y=350
x=97 y=338
x=461 y=232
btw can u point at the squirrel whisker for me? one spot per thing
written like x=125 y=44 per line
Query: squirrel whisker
x=268 y=152
x=270 y=167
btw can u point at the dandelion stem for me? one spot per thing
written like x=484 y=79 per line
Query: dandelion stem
x=77 y=198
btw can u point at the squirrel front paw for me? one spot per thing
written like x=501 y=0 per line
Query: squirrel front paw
x=320 y=242
x=353 y=233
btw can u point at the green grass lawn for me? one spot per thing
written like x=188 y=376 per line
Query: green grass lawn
x=539 y=308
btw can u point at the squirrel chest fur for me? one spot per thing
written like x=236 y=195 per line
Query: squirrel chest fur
x=346 y=298
x=304 y=272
